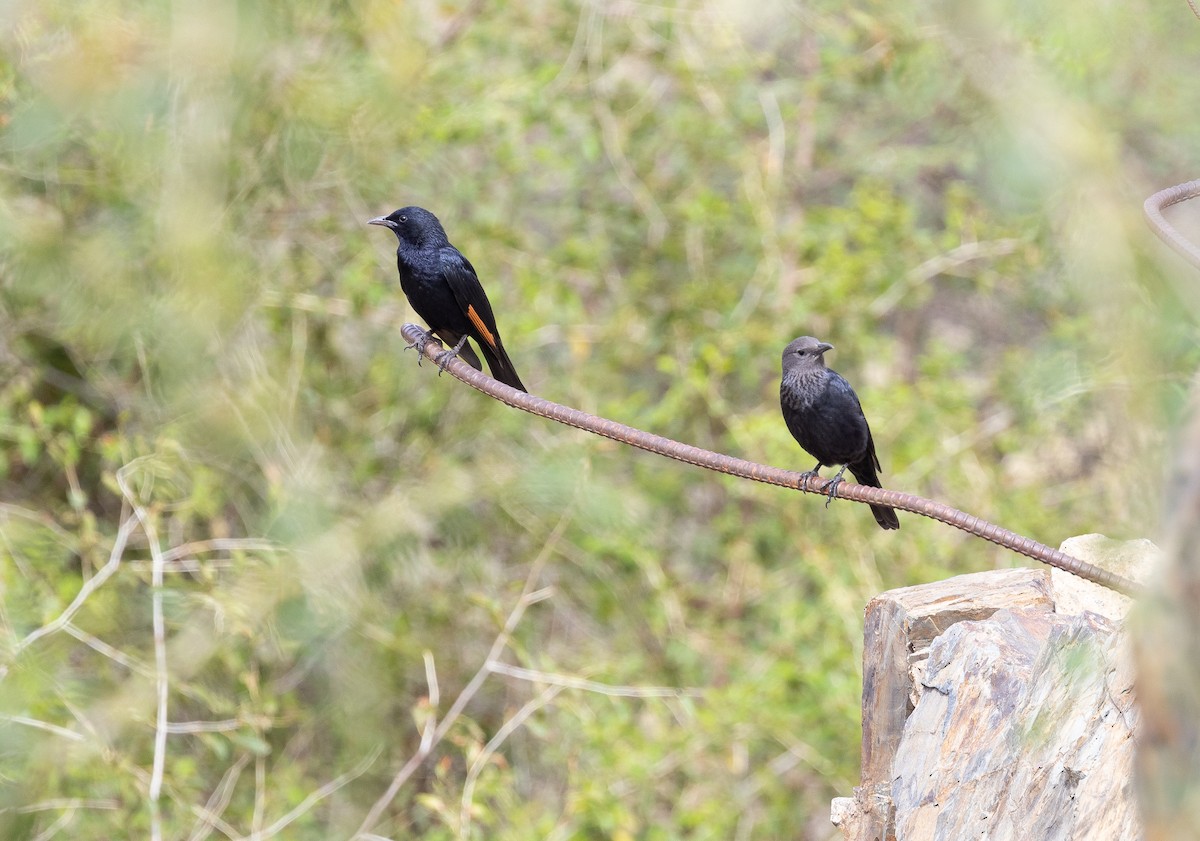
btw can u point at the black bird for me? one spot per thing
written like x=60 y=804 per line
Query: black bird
x=443 y=288
x=823 y=414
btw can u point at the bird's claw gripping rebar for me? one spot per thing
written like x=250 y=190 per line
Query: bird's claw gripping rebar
x=444 y=358
x=419 y=345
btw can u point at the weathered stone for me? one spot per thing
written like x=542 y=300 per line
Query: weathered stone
x=1025 y=730
x=986 y=714
x=901 y=624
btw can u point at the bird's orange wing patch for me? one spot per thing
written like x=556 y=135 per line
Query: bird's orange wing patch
x=480 y=326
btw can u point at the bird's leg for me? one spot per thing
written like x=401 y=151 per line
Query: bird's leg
x=444 y=358
x=419 y=344
x=808 y=475
x=832 y=485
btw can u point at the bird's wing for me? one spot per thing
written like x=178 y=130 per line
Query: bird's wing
x=846 y=393
x=468 y=291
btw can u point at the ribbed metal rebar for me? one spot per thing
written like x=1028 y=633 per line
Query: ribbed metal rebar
x=1154 y=207
x=770 y=475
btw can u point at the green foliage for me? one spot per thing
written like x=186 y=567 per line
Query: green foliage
x=196 y=323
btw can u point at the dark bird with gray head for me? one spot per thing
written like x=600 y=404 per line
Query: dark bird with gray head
x=443 y=288
x=823 y=414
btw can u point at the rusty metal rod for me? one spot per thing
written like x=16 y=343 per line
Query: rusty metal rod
x=1160 y=201
x=769 y=475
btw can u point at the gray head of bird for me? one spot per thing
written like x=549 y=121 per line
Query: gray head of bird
x=805 y=352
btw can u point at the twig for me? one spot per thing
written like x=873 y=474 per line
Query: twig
x=100 y=646
x=627 y=177
x=458 y=25
x=317 y=796
x=218 y=801
x=223 y=726
x=44 y=725
x=52 y=830
x=533 y=705
x=189 y=565
x=143 y=778
x=65 y=803
x=572 y=682
x=90 y=586
x=161 y=679
x=770 y=475
x=218 y=544
x=435 y=699
x=260 y=793
x=528 y=597
x=966 y=253
x=41 y=519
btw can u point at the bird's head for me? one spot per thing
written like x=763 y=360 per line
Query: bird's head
x=414 y=226
x=805 y=352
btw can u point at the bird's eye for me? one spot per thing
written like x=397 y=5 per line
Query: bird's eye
x=403 y=218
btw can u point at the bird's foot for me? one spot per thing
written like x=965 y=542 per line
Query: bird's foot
x=808 y=475
x=830 y=489
x=419 y=344
x=444 y=358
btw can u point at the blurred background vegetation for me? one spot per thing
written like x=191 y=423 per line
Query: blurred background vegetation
x=200 y=364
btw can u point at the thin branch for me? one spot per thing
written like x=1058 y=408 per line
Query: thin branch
x=52 y=830
x=458 y=25
x=435 y=694
x=38 y=724
x=101 y=647
x=528 y=597
x=223 y=726
x=143 y=778
x=260 y=793
x=41 y=519
x=65 y=803
x=188 y=565
x=218 y=544
x=90 y=586
x=435 y=698
x=770 y=475
x=968 y=252
x=572 y=682
x=627 y=177
x=218 y=801
x=162 y=685
x=317 y=796
x=533 y=705
x=776 y=133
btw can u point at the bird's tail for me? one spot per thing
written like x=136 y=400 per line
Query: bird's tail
x=864 y=473
x=501 y=365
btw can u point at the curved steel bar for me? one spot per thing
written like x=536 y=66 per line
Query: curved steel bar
x=769 y=475
x=1160 y=201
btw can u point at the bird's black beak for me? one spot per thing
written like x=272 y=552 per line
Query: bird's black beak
x=380 y=220
x=824 y=346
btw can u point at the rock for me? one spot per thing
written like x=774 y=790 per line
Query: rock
x=988 y=713
x=900 y=626
x=1025 y=731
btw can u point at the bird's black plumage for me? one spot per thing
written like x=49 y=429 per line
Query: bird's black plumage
x=823 y=414
x=443 y=288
